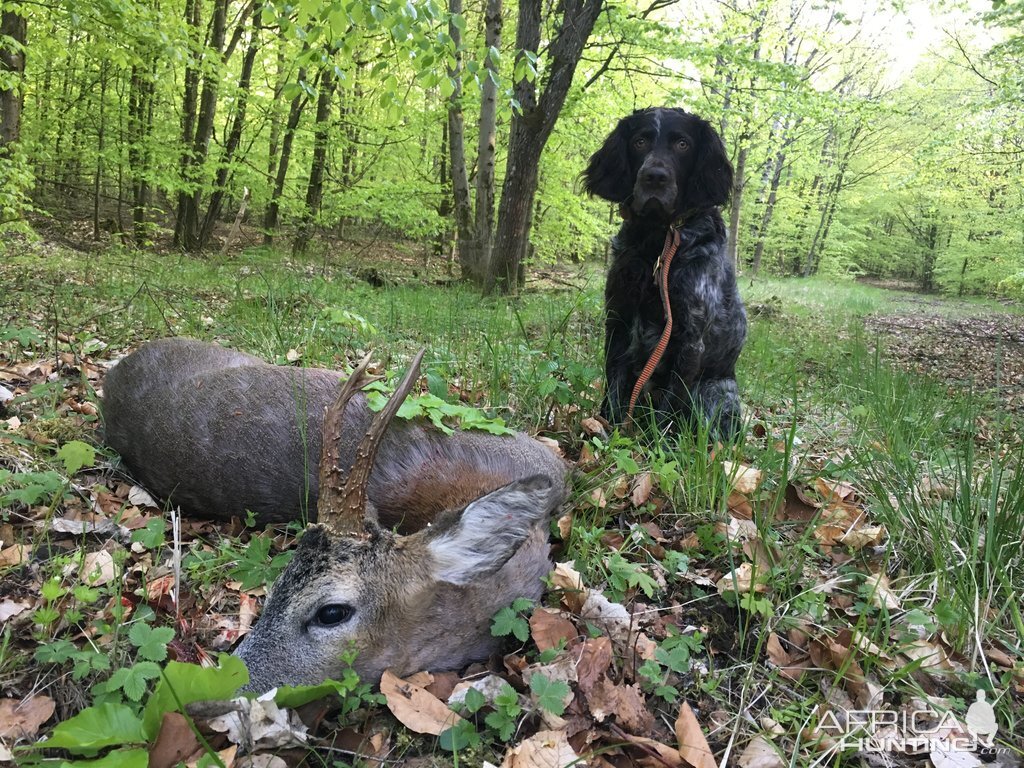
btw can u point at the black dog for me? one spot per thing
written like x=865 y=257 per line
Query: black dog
x=667 y=168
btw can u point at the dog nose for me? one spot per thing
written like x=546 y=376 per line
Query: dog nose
x=654 y=176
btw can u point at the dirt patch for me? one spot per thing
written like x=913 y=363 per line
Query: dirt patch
x=979 y=348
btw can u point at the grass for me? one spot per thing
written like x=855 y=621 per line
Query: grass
x=939 y=468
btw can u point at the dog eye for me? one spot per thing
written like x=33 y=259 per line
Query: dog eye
x=640 y=142
x=334 y=613
x=682 y=145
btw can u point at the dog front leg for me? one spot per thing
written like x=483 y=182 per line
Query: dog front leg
x=617 y=372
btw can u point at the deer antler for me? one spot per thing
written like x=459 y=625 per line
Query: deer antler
x=344 y=509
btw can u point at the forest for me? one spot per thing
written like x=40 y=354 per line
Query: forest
x=303 y=192
x=870 y=140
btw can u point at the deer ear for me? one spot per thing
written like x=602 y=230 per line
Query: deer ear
x=482 y=538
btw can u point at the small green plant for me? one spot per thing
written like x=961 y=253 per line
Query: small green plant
x=672 y=656
x=511 y=620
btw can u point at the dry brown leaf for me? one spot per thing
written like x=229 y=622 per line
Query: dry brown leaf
x=551 y=444
x=833 y=490
x=565 y=526
x=693 y=747
x=742 y=580
x=641 y=490
x=879 y=592
x=744 y=478
x=776 y=653
x=598 y=498
x=592 y=427
x=11 y=608
x=760 y=753
x=864 y=536
x=566 y=578
x=594 y=660
x=829 y=535
x=21 y=719
x=416 y=709
x=740 y=506
x=227 y=758
x=625 y=702
x=174 y=743
x=16 y=554
x=545 y=749
x=97 y=568
x=550 y=629
x=662 y=756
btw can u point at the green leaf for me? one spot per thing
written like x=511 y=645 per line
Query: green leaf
x=151 y=641
x=75 y=455
x=474 y=700
x=507 y=621
x=134 y=680
x=119 y=758
x=549 y=694
x=183 y=684
x=459 y=736
x=152 y=535
x=295 y=696
x=94 y=728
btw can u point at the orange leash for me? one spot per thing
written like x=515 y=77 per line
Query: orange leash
x=663 y=264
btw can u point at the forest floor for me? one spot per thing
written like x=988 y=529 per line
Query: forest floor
x=854 y=565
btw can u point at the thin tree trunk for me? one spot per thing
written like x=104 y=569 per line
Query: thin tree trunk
x=275 y=114
x=484 y=222
x=189 y=109
x=531 y=128
x=464 y=236
x=101 y=131
x=315 y=187
x=191 y=227
x=233 y=140
x=273 y=208
x=13 y=34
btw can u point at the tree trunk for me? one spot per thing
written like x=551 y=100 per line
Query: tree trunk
x=191 y=235
x=532 y=126
x=13 y=34
x=101 y=131
x=466 y=248
x=273 y=208
x=140 y=128
x=315 y=187
x=736 y=203
x=484 y=222
x=189 y=109
x=233 y=140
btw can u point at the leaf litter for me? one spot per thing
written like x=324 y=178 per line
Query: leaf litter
x=622 y=698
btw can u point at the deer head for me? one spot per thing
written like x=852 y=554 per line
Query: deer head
x=406 y=602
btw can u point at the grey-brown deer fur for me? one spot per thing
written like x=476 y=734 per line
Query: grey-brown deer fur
x=221 y=432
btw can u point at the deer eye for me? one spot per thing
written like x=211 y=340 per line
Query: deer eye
x=334 y=613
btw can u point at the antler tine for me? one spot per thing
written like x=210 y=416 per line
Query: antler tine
x=355 y=503
x=330 y=505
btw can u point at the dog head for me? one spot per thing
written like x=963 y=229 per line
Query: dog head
x=660 y=163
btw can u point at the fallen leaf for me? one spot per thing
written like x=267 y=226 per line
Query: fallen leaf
x=174 y=743
x=97 y=568
x=693 y=747
x=879 y=592
x=592 y=427
x=565 y=526
x=742 y=580
x=776 y=653
x=416 y=709
x=545 y=749
x=566 y=578
x=227 y=758
x=625 y=702
x=594 y=660
x=641 y=490
x=662 y=756
x=954 y=759
x=550 y=629
x=139 y=497
x=11 y=608
x=22 y=718
x=760 y=753
x=551 y=444
x=15 y=554
x=744 y=479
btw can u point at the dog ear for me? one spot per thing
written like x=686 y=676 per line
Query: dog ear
x=607 y=174
x=710 y=180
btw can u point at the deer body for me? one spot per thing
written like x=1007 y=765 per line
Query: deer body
x=220 y=432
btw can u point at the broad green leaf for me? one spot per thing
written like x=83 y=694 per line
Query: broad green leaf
x=119 y=758
x=549 y=694
x=151 y=641
x=94 y=728
x=183 y=684
x=75 y=455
